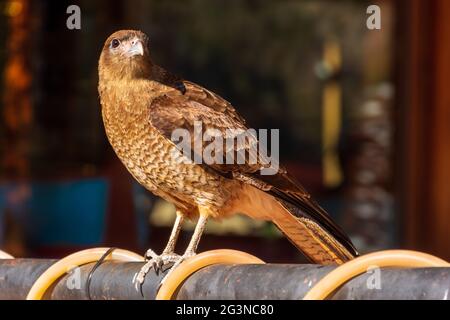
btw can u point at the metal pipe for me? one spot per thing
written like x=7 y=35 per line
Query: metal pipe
x=113 y=280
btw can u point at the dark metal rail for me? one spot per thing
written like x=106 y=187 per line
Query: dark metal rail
x=113 y=280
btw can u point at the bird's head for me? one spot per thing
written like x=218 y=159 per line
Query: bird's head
x=125 y=55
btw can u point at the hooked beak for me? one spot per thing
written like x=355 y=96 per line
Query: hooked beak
x=136 y=48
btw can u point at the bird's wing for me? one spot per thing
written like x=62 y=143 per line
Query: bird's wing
x=173 y=110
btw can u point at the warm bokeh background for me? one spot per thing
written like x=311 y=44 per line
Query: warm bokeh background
x=364 y=118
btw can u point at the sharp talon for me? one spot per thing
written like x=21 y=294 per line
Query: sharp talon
x=155 y=266
x=156 y=262
x=160 y=263
x=177 y=261
x=140 y=277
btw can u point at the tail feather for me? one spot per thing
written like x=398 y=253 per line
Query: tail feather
x=308 y=208
x=303 y=222
x=318 y=243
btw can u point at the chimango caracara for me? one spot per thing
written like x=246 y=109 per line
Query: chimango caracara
x=143 y=104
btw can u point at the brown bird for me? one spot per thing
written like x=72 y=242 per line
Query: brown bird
x=143 y=104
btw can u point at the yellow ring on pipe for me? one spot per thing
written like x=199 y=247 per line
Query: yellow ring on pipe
x=197 y=262
x=388 y=258
x=4 y=255
x=74 y=260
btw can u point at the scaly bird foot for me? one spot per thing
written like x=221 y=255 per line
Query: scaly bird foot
x=156 y=262
x=175 y=265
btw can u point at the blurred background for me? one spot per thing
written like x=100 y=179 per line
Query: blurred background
x=364 y=118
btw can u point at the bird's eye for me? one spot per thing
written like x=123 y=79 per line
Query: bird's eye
x=115 y=43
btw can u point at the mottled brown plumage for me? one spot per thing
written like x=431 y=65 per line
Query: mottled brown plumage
x=141 y=106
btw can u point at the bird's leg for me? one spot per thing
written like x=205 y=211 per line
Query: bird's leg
x=193 y=244
x=199 y=228
x=157 y=261
x=168 y=254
